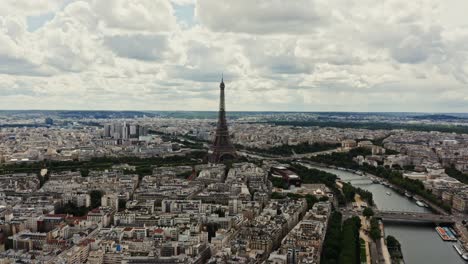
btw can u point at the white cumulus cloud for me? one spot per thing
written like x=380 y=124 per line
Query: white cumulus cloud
x=333 y=55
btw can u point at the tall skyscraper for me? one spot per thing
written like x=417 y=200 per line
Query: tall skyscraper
x=134 y=129
x=124 y=131
x=142 y=131
x=117 y=131
x=222 y=148
x=107 y=130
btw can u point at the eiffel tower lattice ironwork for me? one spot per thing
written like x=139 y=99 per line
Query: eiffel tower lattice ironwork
x=222 y=148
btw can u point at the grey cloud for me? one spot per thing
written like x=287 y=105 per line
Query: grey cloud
x=21 y=66
x=289 y=65
x=407 y=54
x=407 y=42
x=142 y=15
x=21 y=88
x=275 y=56
x=199 y=75
x=16 y=91
x=170 y=83
x=301 y=54
x=28 y=7
x=138 y=46
x=205 y=63
x=181 y=93
x=418 y=48
x=262 y=16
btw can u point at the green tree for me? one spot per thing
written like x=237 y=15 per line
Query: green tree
x=317 y=176
x=332 y=244
x=278 y=182
x=96 y=196
x=84 y=172
x=460 y=129
x=211 y=228
x=453 y=172
x=392 y=242
x=70 y=208
x=368 y=212
x=351 y=246
x=349 y=192
x=394 y=248
x=277 y=195
x=122 y=204
x=375 y=233
x=395 y=177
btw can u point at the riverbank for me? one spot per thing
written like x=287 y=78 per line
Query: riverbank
x=347 y=161
x=419 y=242
x=434 y=207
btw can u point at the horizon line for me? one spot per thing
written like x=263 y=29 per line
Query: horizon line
x=240 y=111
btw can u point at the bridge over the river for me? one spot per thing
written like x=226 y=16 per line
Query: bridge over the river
x=414 y=217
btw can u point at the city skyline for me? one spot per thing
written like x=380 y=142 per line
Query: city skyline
x=168 y=55
x=233 y=132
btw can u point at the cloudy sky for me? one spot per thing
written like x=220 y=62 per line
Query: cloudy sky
x=301 y=55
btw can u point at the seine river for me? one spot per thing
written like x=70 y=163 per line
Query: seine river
x=420 y=242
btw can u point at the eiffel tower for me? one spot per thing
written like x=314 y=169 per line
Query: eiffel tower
x=222 y=148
